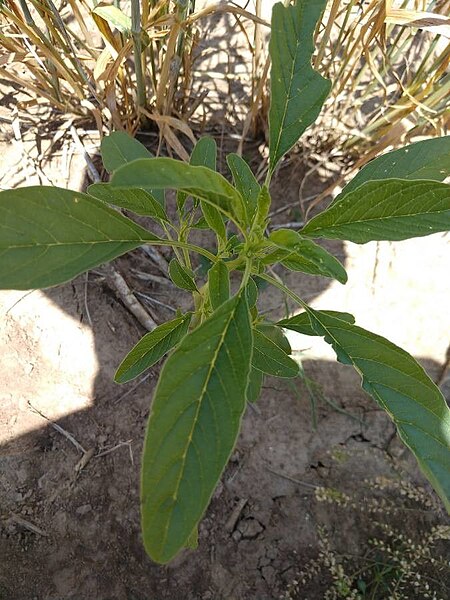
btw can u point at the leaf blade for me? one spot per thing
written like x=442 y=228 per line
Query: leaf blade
x=400 y=386
x=269 y=358
x=151 y=347
x=137 y=200
x=297 y=90
x=427 y=159
x=245 y=182
x=200 y=182
x=118 y=148
x=218 y=284
x=194 y=423
x=50 y=235
x=389 y=209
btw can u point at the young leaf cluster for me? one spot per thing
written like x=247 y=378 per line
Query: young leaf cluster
x=220 y=352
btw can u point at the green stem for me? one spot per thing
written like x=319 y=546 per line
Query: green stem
x=284 y=289
x=175 y=244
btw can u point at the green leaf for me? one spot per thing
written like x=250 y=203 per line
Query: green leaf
x=301 y=323
x=214 y=220
x=252 y=292
x=118 y=148
x=255 y=383
x=50 y=235
x=428 y=159
x=115 y=17
x=150 y=348
x=200 y=182
x=245 y=183
x=194 y=422
x=297 y=91
x=134 y=199
x=306 y=256
x=388 y=209
x=269 y=358
x=203 y=154
x=192 y=541
x=275 y=333
x=400 y=386
x=218 y=284
x=181 y=276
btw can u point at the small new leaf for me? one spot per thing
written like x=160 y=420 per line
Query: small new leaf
x=388 y=209
x=306 y=256
x=245 y=182
x=194 y=422
x=181 y=276
x=218 y=284
x=153 y=346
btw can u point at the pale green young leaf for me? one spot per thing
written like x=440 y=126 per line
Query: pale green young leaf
x=193 y=426
x=255 y=383
x=301 y=323
x=297 y=90
x=427 y=159
x=269 y=358
x=181 y=276
x=150 y=348
x=306 y=256
x=218 y=284
x=50 y=235
x=135 y=199
x=119 y=148
x=400 y=386
x=388 y=209
x=200 y=182
x=245 y=182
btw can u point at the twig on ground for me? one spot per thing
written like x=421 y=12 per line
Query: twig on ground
x=291 y=225
x=120 y=286
x=131 y=390
x=59 y=429
x=149 y=277
x=235 y=514
x=114 y=448
x=157 y=258
x=30 y=526
x=297 y=481
x=157 y=302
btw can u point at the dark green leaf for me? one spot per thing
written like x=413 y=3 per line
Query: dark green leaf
x=49 y=235
x=118 y=148
x=181 y=276
x=218 y=284
x=306 y=256
x=428 y=159
x=245 y=183
x=400 y=386
x=214 y=219
x=254 y=385
x=194 y=423
x=269 y=358
x=134 y=199
x=275 y=333
x=301 y=323
x=297 y=91
x=200 y=182
x=389 y=209
x=153 y=346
